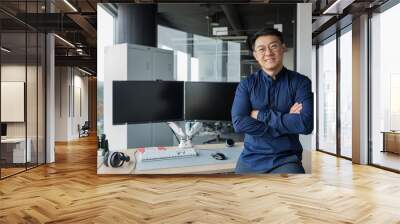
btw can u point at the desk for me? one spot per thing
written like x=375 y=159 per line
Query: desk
x=200 y=169
x=391 y=141
x=16 y=153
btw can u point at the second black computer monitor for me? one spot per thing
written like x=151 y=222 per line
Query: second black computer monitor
x=209 y=101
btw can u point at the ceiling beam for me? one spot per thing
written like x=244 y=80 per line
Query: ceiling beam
x=233 y=18
x=84 y=24
x=82 y=61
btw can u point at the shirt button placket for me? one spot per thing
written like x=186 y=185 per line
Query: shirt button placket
x=272 y=96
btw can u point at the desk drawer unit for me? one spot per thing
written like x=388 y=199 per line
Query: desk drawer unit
x=392 y=142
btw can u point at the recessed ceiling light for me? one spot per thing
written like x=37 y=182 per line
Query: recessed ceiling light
x=5 y=50
x=64 y=40
x=84 y=71
x=70 y=5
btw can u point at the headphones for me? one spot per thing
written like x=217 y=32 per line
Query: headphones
x=230 y=142
x=115 y=159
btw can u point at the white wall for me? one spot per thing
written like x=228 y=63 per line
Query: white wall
x=115 y=68
x=33 y=125
x=61 y=103
x=288 y=58
x=67 y=114
x=17 y=73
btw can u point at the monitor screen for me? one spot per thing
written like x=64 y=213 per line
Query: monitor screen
x=3 y=129
x=147 y=101
x=209 y=101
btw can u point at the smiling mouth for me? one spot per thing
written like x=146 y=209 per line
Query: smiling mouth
x=270 y=60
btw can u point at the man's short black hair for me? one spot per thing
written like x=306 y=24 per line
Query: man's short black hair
x=266 y=32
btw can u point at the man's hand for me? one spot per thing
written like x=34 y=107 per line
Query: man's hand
x=254 y=114
x=296 y=108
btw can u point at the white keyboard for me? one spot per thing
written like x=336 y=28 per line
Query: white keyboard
x=156 y=153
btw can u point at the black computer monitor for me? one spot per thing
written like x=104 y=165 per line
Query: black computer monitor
x=209 y=101
x=3 y=129
x=147 y=101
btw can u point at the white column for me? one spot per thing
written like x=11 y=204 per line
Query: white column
x=50 y=99
x=360 y=90
x=303 y=65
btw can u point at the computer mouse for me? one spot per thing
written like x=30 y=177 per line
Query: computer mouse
x=218 y=156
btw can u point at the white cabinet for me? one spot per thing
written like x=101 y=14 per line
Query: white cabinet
x=163 y=65
x=135 y=62
x=140 y=63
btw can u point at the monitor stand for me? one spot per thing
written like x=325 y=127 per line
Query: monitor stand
x=185 y=139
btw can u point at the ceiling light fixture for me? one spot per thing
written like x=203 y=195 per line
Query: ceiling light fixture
x=70 y=5
x=64 y=40
x=5 y=50
x=84 y=71
x=338 y=6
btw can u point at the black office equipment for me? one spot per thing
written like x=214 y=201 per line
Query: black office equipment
x=3 y=129
x=115 y=159
x=218 y=156
x=84 y=129
x=147 y=101
x=230 y=142
x=209 y=101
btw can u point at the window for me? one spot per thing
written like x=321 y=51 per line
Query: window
x=385 y=88
x=201 y=58
x=327 y=96
x=346 y=93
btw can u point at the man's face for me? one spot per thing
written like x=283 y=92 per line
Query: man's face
x=268 y=51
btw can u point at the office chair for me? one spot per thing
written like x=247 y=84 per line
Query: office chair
x=84 y=130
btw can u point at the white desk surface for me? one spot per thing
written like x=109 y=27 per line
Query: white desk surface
x=129 y=168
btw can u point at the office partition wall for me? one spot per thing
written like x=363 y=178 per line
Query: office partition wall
x=22 y=77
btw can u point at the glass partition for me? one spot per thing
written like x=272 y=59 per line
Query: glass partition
x=22 y=77
x=13 y=107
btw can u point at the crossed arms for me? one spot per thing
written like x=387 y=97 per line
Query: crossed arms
x=270 y=122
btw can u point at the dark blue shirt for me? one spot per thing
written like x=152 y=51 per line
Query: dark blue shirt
x=272 y=139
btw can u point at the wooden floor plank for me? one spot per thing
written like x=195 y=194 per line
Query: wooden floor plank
x=70 y=191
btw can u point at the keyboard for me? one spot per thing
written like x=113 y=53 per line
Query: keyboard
x=161 y=153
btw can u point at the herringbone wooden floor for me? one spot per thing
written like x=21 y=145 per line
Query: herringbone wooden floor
x=69 y=191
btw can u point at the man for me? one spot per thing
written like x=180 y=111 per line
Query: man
x=272 y=107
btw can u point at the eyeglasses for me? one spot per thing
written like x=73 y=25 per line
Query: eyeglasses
x=274 y=47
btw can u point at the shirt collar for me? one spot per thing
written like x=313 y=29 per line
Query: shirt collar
x=280 y=74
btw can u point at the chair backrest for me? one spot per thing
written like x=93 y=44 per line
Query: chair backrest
x=86 y=125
